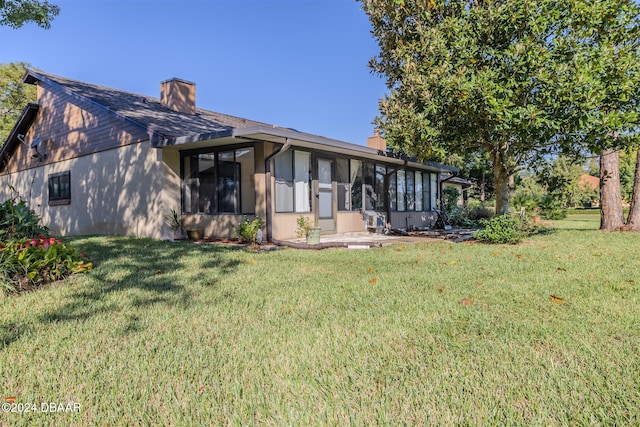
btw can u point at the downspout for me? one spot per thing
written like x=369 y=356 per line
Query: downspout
x=267 y=174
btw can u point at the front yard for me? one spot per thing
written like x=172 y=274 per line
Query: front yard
x=543 y=333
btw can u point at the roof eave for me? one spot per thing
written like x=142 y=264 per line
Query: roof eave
x=20 y=128
x=280 y=135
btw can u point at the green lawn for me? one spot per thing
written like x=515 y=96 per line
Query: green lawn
x=437 y=333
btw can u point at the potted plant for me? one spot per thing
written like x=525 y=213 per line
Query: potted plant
x=175 y=222
x=306 y=229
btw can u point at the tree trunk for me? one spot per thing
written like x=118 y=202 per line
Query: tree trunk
x=610 y=193
x=501 y=184
x=633 y=221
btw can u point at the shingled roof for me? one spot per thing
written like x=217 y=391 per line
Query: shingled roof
x=148 y=112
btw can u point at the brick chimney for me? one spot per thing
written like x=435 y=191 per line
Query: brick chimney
x=377 y=142
x=178 y=95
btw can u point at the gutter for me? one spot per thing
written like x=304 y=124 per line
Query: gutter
x=267 y=178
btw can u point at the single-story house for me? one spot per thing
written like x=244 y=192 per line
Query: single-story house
x=94 y=160
x=460 y=184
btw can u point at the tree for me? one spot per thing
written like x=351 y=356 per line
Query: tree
x=562 y=181
x=469 y=75
x=16 y=13
x=14 y=96
x=633 y=221
x=505 y=76
x=604 y=38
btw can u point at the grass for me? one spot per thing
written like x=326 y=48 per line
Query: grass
x=419 y=334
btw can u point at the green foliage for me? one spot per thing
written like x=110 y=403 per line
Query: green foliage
x=304 y=224
x=450 y=197
x=469 y=217
x=247 y=230
x=28 y=256
x=174 y=220
x=628 y=160
x=17 y=221
x=28 y=263
x=14 y=96
x=517 y=79
x=501 y=229
x=551 y=208
x=16 y=13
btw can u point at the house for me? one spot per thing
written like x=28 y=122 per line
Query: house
x=590 y=183
x=95 y=160
x=460 y=184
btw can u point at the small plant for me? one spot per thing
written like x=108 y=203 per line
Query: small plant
x=304 y=225
x=28 y=263
x=18 y=221
x=501 y=229
x=247 y=230
x=175 y=221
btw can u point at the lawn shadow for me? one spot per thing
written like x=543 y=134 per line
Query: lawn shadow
x=125 y=264
x=10 y=332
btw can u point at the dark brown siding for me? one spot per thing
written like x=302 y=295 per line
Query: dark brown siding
x=71 y=127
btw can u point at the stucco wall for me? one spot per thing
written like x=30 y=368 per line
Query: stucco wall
x=122 y=191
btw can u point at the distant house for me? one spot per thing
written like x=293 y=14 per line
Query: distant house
x=592 y=184
x=460 y=184
x=589 y=182
x=96 y=160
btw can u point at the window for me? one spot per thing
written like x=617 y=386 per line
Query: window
x=349 y=178
x=369 y=186
x=60 y=188
x=393 y=190
x=344 y=182
x=426 y=191
x=411 y=186
x=355 y=182
x=419 y=195
x=434 y=190
x=302 y=167
x=284 y=181
x=218 y=182
x=380 y=200
x=401 y=190
x=293 y=181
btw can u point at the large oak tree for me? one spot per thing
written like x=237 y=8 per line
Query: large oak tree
x=502 y=76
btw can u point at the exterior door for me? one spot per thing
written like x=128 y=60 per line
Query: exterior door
x=325 y=211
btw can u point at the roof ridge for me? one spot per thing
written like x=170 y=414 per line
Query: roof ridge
x=141 y=96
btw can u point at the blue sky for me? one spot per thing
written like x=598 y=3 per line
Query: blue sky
x=294 y=63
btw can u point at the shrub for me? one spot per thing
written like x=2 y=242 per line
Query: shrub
x=478 y=213
x=247 y=230
x=501 y=229
x=551 y=208
x=17 y=221
x=28 y=263
x=469 y=217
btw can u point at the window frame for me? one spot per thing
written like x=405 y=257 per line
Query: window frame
x=309 y=182
x=215 y=202
x=59 y=199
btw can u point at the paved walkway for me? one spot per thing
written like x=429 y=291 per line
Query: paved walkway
x=362 y=238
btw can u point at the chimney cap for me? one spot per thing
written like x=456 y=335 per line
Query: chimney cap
x=177 y=79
